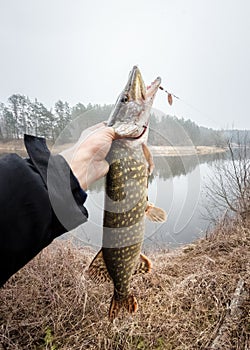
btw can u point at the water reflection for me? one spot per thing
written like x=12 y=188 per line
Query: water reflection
x=166 y=167
x=169 y=167
x=175 y=187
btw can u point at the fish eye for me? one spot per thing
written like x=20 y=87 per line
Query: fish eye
x=124 y=99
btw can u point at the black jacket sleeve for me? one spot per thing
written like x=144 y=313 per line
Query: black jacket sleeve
x=40 y=199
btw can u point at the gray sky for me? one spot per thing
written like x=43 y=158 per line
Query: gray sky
x=82 y=51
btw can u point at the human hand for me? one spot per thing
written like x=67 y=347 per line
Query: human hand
x=87 y=157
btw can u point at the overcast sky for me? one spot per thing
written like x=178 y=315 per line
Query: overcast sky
x=82 y=51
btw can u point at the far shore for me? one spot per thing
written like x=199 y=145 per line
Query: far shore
x=173 y=151
x=17 y=146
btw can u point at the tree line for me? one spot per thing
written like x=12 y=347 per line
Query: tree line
x=22 y=115
x=170 y=130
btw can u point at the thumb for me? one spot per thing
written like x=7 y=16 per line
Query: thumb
x=96 y=170
x=102 y=167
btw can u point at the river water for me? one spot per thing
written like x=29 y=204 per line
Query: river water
x=177 y=186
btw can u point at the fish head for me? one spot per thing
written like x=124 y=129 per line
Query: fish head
x=130 y=115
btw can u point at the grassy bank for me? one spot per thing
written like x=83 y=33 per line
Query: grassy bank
x=196 y=298
x=12 y=146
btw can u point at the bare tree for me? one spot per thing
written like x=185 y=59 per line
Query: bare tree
x=228 y=188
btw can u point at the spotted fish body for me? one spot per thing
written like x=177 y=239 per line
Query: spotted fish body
x=126 y=200
x=124 y=215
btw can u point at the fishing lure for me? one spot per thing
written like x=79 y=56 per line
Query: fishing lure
x=170 y=95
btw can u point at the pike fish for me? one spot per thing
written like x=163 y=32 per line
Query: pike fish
x=126 y=200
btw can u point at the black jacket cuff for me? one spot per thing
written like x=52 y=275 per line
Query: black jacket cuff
x=65 y=194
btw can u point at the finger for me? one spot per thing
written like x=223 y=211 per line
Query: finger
x=107 y=131
x=100 y=137
x=89 y=131
x=96 y=170
x=96 y=126
x=102 y=168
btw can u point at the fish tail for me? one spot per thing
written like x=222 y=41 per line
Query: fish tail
x=130 y=304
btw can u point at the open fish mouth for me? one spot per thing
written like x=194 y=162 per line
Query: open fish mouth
x=131 y=112
x=152 y=88
x=136 y=90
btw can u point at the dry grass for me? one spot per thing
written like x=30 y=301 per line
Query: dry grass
x=51 y=305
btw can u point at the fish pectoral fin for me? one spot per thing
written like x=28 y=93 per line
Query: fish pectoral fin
x=144 y=265
x=149 y=158
x=155 y=214
x=130 y=304
x=97 y=270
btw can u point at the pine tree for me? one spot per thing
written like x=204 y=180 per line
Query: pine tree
x=62 y=115
x=42 y=120
x=20 y=107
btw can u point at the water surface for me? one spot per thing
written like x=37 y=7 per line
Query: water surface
x=177 y=186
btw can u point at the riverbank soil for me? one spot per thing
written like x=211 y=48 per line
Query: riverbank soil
x=16 y=146
x=196 y=297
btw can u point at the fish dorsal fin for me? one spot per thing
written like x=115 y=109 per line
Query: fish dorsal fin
x=97 y=270
x=144 y=265
x=155 y=214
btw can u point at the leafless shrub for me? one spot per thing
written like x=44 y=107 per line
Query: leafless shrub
x=228 y=189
